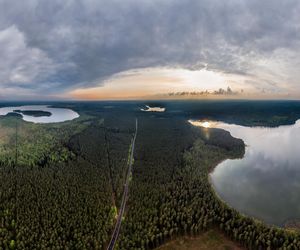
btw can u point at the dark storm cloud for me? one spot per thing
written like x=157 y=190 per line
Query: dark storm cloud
x=58 y=45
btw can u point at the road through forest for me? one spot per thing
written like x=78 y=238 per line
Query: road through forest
x=116 y=231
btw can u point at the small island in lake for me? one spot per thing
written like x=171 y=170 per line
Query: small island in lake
x=12 y=114
x=34 y=113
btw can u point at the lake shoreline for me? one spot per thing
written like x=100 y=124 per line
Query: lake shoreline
x=213 y=188
x=40 y=114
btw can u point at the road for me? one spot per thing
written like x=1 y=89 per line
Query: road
x=116 y=231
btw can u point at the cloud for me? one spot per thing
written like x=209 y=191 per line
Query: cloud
x=20 y=64
x=63 y=45
x=23 y=68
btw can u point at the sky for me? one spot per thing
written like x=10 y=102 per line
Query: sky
x=131 y=49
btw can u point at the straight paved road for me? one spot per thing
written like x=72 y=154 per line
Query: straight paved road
x=116 y=231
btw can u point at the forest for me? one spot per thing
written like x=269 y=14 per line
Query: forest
x=61 y=184
x=35 y=113
x=68 y=203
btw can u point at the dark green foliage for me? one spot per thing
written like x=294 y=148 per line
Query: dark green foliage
x=71 y=203
x=35 y=113
x=66 y=205
x=172 y=197
x=242 y=112
x=15 y=115
x=27 y=144
x=54 y=207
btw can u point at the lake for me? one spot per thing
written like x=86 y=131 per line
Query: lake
x=57 y=114
x=265 y=184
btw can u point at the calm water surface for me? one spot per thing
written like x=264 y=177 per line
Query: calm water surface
x=57 y=114
x=264 y=184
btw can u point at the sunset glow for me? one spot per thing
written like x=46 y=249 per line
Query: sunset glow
x=155 y=82
x=206 y=124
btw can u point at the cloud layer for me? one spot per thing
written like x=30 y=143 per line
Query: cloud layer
x=56 y=46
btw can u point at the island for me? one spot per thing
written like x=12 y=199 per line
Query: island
x=12 y=114
x=34 y=113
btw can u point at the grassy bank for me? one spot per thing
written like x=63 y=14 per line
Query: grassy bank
x=211 y=239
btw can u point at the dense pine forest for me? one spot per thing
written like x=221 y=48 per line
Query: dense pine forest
x=61 y=185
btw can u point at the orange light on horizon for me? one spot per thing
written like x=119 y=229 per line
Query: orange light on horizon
x=206 y=124
x=155 y=83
